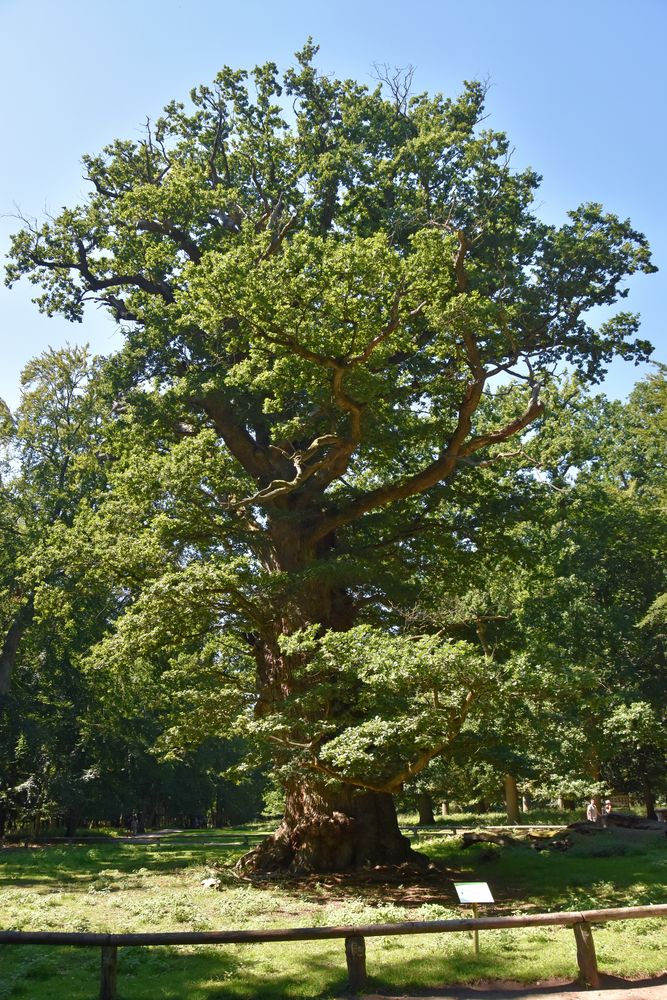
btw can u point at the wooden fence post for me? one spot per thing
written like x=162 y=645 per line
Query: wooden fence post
x=355 y=954
x=586 y=958
x=108 y=973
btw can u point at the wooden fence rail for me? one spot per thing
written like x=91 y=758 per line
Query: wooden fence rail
x=355 y=947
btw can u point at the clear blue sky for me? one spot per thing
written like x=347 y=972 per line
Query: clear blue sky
x=580 y=86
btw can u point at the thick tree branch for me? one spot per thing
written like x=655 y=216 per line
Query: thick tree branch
x=281 y=487
x=444 y=466
x=317 y=765
x=415 y=767
x=179 y=236
x=253 y=459
x=533 y=410
x=15 y=632
x=430 y=476
x=95 y=284
x=119 y=308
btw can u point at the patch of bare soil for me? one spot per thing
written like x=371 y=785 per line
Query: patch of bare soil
x=407 y=885
x=611 y=988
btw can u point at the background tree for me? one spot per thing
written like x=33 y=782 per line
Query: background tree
x=598 y=566
x=322 y=301
x=562 y=561
x=51 y=464
x=67 y=754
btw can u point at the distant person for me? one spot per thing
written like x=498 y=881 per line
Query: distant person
x=592 y=812
x=607 y=806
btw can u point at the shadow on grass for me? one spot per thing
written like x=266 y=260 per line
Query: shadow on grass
x=544 y=880
x=614 y=870
x=35 y=973
x=79 y=865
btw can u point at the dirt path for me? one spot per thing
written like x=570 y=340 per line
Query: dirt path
x=616 y=989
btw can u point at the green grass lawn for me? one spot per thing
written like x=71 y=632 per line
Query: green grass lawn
x=140 y=887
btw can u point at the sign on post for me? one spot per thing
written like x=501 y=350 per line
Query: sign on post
x=474 y=893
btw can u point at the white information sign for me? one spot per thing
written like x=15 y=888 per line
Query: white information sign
x=473 y=892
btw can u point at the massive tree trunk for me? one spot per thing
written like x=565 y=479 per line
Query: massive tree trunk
x=326 y=827
x=333 y=831
x=329 y=824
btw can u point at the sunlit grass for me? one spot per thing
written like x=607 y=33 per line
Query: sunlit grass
x=142 y=886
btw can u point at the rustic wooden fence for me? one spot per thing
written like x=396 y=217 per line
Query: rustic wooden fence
x=355 y=946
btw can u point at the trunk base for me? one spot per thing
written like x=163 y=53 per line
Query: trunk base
x=324 y=832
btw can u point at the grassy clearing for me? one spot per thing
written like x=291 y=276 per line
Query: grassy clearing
x=135 y=887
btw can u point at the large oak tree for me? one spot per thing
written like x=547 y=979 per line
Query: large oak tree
x=320 y=285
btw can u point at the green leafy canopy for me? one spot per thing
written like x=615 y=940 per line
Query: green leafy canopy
x=339 y=304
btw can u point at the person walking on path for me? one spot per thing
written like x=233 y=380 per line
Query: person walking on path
x=592 y=812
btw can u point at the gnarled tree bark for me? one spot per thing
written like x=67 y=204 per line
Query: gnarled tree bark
x=328 y=830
